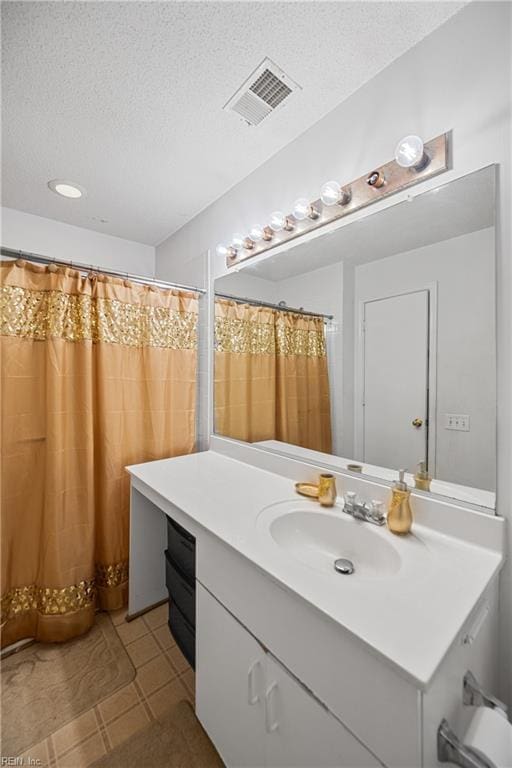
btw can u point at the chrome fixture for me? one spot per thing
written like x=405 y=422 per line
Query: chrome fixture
x=473 y=695
x=368 y=513
x=413 y=162
x=53 y=264
x=450 y=749
x=344 y=566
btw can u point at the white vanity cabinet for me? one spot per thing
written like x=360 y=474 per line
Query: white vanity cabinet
x=254 y=710
x=229 y=684
x=283 y=680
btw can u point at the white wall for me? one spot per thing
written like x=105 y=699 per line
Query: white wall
x=248 y=287
x=456 y=78
x=47 y=237
x=463 y=269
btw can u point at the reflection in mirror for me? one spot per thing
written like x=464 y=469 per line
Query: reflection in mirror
x=372 y=345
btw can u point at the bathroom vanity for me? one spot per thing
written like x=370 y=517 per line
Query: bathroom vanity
x=297 y=665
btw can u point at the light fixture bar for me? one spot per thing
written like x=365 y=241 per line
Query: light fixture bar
x=385 y=180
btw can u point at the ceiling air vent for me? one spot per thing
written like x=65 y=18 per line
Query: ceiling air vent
x=262 y=93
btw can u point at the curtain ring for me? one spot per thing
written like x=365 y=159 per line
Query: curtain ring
x=52 y=267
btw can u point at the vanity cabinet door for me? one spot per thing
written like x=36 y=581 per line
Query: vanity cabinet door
x=229 y=684
x=301 y=733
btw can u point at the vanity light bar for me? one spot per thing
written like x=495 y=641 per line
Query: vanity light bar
x=414 y=162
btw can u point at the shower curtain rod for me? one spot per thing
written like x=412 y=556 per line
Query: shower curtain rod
x=36 y=257
x=258 y=303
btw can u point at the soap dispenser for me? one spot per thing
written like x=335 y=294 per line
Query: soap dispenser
x=399 y=512
x=422 y=479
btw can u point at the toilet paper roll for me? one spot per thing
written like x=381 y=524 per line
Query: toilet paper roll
x=490 y=735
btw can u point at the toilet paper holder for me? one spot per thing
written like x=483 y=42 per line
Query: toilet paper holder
x=473 y=695
x=450 y=748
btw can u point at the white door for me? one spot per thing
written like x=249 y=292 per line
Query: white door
x=395 y=380
x=229 y=684
x=301 y=733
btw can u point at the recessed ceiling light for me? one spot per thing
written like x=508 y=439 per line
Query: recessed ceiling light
x=66 y=188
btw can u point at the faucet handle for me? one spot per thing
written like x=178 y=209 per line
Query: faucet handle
x=350 y=499
x=377 y=511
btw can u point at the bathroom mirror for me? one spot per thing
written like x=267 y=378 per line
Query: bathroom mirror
x=372 y=347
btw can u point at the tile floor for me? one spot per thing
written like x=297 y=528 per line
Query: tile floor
x=163 y=677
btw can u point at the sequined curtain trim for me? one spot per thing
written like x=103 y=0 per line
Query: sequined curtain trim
x=51 y=601
x=47 y=600
x=42 y=315
x=244 y=336
x=251 y=337
x=112 y=575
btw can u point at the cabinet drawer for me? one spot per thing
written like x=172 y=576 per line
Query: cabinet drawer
x=181 y=546
x=181 y=592
x=183 y=633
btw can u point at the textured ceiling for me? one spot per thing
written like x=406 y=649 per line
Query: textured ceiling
x=126 y=98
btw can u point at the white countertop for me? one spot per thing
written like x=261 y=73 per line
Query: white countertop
x=411 y=622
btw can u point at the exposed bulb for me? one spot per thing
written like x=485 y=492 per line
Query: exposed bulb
x=303 y=209
x=409 y=152
x=256 y=233
x=330 y=194
x=222 y=251
x=277 y=221
x=237 y=241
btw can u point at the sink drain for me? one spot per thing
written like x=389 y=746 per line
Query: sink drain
x=342 y=565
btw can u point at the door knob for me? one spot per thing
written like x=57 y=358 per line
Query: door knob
x=417 y=423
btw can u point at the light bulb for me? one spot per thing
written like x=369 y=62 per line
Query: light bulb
x=237 y=241
x=330 y=193
x=303 y=209
x=256 y=233
x=409 y=153
x=222 y=251
x=277 y=221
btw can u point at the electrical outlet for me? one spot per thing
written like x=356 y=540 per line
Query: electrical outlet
x=457 y=421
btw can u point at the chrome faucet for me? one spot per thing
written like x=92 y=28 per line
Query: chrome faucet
x=368 y=513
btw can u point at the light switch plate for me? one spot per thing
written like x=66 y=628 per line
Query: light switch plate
x=457 y=421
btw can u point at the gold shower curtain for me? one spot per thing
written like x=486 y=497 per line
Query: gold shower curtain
x=245 y=371
x=97 y=373
x=271 y=378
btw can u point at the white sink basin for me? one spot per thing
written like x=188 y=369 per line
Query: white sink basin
x=317 y=537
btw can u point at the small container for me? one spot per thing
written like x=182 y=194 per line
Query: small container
x=422 y=479
x=399 y=512
x=327 y=490
x=307 y=489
